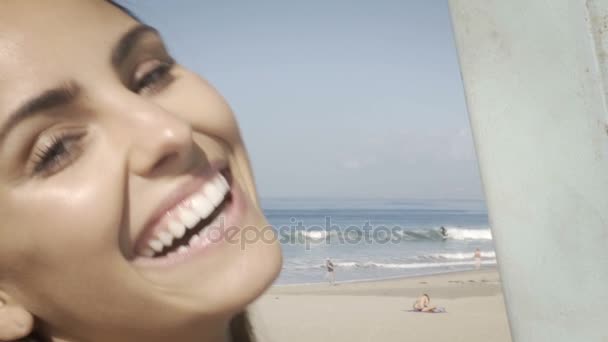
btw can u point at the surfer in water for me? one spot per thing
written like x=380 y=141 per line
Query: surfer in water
x=443 y=232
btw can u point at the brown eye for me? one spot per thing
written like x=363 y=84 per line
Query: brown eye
x=152 y=76
x=56 y=154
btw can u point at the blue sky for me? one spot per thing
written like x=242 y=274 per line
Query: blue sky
x=335 y=98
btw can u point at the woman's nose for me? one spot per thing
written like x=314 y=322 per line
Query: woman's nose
x=161 y=143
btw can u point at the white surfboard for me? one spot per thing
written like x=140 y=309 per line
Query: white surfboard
x=536 y=76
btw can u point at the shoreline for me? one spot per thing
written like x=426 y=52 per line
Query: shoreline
x=462 y=284
x=398 y=277
x=381 y=310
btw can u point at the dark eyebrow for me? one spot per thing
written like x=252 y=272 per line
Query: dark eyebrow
x=48 y=99
x=124 y=46
x=67 y=92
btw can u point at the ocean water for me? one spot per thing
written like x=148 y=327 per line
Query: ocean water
x=378 y=239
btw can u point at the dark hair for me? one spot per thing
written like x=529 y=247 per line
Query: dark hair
x=240 y=325
x=240 y=331
x=124 y=10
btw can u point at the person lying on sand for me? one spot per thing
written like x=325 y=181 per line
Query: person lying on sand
x=423 y=304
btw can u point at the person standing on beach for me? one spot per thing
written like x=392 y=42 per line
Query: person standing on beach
x=331 y=276
x=477 y=258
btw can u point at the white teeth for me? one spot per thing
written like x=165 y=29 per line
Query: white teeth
x=147 y=253
x=193 y=240
x=202 y=206
x=177 y=229
x=165 y=238
x=224 y=181
x=213 y=193
x=221 y=183
x=188 y=217
x=156 y=245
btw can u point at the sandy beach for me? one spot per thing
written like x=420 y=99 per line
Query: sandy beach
x=380 y=310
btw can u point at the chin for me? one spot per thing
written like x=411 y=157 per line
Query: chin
x=229 y=293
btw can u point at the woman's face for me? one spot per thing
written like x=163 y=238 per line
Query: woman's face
x=125 y=189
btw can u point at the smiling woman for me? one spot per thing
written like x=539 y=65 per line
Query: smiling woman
x=124 y=185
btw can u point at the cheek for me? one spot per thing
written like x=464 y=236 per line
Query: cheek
x=56 y=225
x=66 y=248
x=198 y=103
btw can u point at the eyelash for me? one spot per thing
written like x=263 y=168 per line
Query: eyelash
x=56 y=154
x=156 y=79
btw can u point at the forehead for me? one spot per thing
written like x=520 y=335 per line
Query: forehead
x=42 y=42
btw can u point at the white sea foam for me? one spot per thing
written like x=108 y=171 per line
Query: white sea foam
x=314 y=234
x=403 y=234
x=459 y=256
x=411 y=265
x=394 y=265
x=457 y=233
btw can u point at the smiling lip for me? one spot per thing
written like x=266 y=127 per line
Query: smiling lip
x=188 y=211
